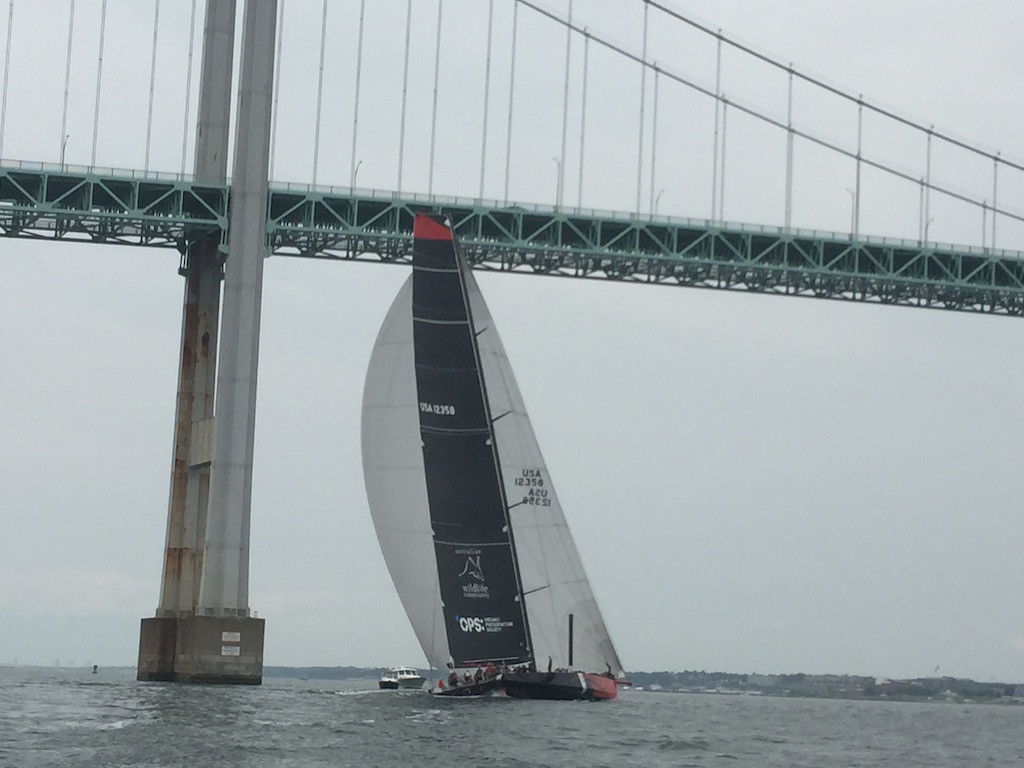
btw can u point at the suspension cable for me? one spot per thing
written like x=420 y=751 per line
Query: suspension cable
x=319 y=91
x=433 y=111
x=99 y=81
x=355 y=109
x=995 y=178
x=565 y=109
x=718 y=102
x=405 y=91
x=832 y=89
x=511 y=97
x=583 y=114
x=277 y=88
x=152 y=82
x=654 y=137
x=789 y=152
x=643 y=98
x=823 y=143
x=67 y=82
x=721 y=186
x=188 y=87
x=7 y=72
x=487 y=95
x=928 y=188
x=860 y=137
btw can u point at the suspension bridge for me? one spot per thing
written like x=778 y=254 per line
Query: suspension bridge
x=600 y=218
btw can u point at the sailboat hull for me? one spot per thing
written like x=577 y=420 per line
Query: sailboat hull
x=490 y=687
x=550 y=686
x=559 y=686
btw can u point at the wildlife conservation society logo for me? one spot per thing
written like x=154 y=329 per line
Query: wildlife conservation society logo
x=473 y=573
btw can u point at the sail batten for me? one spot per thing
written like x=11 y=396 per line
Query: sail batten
x=471 y=543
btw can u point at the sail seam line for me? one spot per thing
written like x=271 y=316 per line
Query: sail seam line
x=455 y=431
x=440 y=322
x=472 y=543
x=441 y=270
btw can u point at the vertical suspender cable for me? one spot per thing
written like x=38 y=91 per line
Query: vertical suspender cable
x=984 y=222
x=643 y=97
x=718 y=96
x=405 y=93
x=721 y=187
x=152 y=82
x=277 y=89
x=995 y=202
x=487 y=96
x=789 y=152
x=7 y=72
x=433 y=112
x=920 y=213
x=99 y=82
x=654 y=135
x=583 y=113
x=355 y=107
x=860 y=134
x=319 y=92
x=565 y=102
x=188 y=87
x=511 y=95
x=67 y=83
x=928 y=187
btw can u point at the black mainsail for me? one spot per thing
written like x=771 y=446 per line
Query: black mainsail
x=480 y=587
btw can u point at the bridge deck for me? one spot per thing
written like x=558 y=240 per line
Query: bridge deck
x=75 y=203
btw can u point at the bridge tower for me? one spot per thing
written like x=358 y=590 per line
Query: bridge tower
x=202 y=630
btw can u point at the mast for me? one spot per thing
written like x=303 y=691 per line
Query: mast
x=570 y=641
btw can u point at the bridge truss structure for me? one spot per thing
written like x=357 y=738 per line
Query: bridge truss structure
x=77 y=203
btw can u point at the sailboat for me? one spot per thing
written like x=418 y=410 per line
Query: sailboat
x=467 y=519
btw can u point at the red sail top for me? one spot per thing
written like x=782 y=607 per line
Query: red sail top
x=427 y=227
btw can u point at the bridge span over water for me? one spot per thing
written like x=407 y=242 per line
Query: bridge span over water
x=165 y=211
x=591 y=95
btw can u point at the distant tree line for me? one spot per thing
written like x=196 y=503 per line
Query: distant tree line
x=694 y=681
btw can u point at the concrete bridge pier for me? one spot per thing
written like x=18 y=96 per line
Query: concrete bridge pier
x=202 y=631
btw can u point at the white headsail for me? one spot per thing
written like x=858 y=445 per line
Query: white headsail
x=393 y=472
x=554 y=581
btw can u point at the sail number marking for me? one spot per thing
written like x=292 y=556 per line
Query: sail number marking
x=533 y=479
x=439 y=409
x=537 y=497
x=530 y=478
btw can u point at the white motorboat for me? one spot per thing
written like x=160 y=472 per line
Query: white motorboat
x=400 y=677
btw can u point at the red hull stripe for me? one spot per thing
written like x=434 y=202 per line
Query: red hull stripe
x=426 y=227
x=601 y=686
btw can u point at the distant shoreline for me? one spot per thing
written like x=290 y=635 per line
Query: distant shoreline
x=799 y=685
x=945 y=689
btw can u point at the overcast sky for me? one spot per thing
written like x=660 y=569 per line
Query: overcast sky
x=755 y=484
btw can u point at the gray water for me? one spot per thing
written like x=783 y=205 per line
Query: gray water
x=74 y=718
